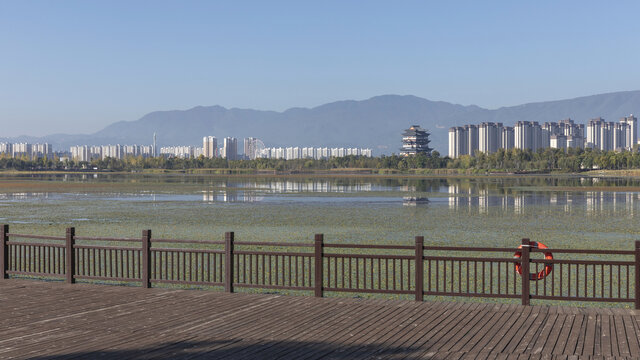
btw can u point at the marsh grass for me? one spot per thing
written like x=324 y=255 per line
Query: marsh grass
x=173 y=207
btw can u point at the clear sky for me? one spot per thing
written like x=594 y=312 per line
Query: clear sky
x=77 y=66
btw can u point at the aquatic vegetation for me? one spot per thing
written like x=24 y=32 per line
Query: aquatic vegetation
x=562 y=212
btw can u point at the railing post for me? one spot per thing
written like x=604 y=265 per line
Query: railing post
x=524 y=261
x=319 y=270
x=228 y=262
x=637 y=275
x=70 y=259
x=419 y=278
x=146 y=258
x=4 y=252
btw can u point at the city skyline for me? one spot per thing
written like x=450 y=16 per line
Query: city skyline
x=253 y=148
x=489 y=137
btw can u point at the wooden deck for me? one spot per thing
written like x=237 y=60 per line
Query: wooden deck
x=46 y=320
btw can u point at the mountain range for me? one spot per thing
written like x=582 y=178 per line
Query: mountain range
x=376 y=123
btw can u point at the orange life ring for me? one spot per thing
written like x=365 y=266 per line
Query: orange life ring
x=547 y=267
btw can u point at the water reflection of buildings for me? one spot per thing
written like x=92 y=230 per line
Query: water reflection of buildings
x=230 y=197
x=74 y=177
x=414 y=201
x=592 y=202
x=250 y=191
x=288 y=186
x=598 y=202
x=24 y=196
x=319 y=186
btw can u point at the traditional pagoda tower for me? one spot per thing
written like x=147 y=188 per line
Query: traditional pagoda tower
x=415 y=140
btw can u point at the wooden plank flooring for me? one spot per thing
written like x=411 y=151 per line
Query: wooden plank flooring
x=47 y=320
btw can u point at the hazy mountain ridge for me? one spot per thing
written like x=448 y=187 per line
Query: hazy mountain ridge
x=376 y=122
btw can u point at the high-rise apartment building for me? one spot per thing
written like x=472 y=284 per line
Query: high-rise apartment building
x=230 y=148
x=573 y=132
x=489 y=136
x=21 y=149
x=6 y=148
x=618 y=135
x=546 y=131
x=80 y=153
x=558 y=141
x=631 y=134
x=527 y=135
x=507 y=138
x=209 y=146
x=458 y=140
x=594 y=133
x=39 y=151
x=471 y=132
x=155 y=145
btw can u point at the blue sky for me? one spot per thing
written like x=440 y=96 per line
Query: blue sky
x=77 y=66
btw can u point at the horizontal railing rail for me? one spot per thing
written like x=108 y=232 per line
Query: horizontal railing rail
x=483 y=272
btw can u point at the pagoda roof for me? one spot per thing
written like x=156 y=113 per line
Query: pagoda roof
x=414 y=130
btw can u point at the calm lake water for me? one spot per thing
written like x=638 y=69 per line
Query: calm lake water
x=560 y=211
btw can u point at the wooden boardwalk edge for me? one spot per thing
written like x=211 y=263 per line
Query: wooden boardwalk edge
x=45 y=320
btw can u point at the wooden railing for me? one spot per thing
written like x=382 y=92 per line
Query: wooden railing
x=418 y=270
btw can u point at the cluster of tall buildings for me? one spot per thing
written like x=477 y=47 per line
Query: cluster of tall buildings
x=183 y=152
x=612 y=136
x=27 y=150
x=88 y=153
x=291 y=153
x=488 y=137
x=254 y=148
x=229 y=149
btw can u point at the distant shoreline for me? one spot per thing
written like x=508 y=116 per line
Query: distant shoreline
x=417 y=173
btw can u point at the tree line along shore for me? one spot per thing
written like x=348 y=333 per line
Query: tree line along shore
x=508 y=161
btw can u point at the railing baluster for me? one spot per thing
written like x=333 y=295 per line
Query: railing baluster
x=357 y=261
x=490 y=277
x=637 y=277
x=71 y=259
x=419 y=267
x=499 y=276
x=468 y=279
x=593 y=294
x=619 y=282
x=475 y=277
x=525 y=271
x=228 y=263
x=4 y=252
x=459 y=276
x=367 y=277
x=372 y=277
x=602 y=280
x=437 y=264
x=319 y=262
